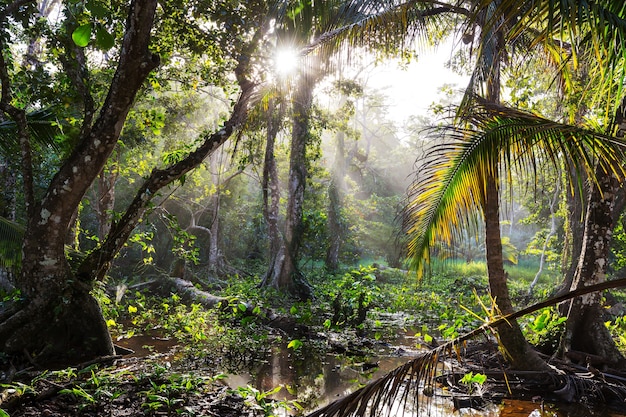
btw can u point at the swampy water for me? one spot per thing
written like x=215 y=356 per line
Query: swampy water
x=315 y=379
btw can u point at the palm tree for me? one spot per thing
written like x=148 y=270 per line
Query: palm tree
x=505 y=22
x=460 y=179
x=592 y=33
x=451 y=191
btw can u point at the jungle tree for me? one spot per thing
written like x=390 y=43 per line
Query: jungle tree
x=305 y=21
x=57 y=318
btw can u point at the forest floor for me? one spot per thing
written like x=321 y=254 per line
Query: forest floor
x=171 y=383
x=189 y=361
x=129 y=387
x=161 y=378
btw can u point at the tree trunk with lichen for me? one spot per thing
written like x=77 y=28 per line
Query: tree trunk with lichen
x=574 y=233
x=59 y=321
x=585 y=330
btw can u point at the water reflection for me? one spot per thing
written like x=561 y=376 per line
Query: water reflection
x=315 y=379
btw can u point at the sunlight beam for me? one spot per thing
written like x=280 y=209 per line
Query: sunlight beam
x=286 y=61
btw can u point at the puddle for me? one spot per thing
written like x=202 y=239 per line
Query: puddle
x=315 y=379
x=145 y=345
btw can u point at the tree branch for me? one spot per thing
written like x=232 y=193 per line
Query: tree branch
x=97 y=263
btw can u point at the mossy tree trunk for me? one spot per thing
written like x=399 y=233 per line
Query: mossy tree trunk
x=585 y=330
x=283 y=272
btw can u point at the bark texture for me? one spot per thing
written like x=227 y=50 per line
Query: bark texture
x=271 y=192
x=585 y=330
x=59 y=320
x=574 y=234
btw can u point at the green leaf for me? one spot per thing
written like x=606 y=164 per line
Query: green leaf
x=467 y=378
x=479 y=378
x=242 y=307
x=4 y=413
x=295 y=344
x=104 y=40
x=82 y=35
x=273 y=391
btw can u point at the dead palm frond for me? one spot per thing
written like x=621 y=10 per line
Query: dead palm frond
x=411 y=385
x=446 y=198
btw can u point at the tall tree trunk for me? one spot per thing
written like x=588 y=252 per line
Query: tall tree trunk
x=283 y=272
x=515 y=347
x=271 y=194
x=60 y=320
x=59 y=309
x=215 y=254
x=585 y=329
x=574 y=233
x=105 y=201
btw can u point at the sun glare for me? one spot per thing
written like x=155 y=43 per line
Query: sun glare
x=286 y=61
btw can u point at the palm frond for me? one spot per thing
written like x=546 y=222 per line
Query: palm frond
x=386 y=26
x=448 y=193
x=590 y=32
x=411 y=386
x=11 y=236
x=44 y=129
